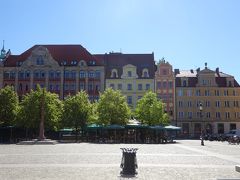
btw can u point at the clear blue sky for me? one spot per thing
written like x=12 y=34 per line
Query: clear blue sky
x=187 y=33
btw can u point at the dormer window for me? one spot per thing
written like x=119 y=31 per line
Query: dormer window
x=114 y=73
x=82 y=63
x=145 y=73
x=129 y=73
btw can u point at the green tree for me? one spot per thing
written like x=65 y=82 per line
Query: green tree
x=150 y=110
x=113 y=108
x=8 y=106
x=77 y=110
x=31 y=106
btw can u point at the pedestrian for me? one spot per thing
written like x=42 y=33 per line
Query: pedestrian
x=202 y=138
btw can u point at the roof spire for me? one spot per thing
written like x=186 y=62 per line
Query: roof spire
x=3 y=52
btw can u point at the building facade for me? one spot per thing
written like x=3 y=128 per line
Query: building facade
x=206 y=100
x=62 y=69
x=132 y=74
x=165 y=87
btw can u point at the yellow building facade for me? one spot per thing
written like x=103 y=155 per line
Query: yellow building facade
x=132 y=74
x=207 y=101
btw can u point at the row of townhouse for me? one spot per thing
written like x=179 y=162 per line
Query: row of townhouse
x=196 y=100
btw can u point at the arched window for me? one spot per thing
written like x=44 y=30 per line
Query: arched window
x=27 y=74
x=114 y=73
x=145 y=73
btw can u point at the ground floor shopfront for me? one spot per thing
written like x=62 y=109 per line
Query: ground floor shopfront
x=194 y=129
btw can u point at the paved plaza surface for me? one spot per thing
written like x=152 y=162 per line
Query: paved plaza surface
x=186 y=159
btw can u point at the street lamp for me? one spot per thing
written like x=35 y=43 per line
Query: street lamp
x=63 y=88
x=202 y=134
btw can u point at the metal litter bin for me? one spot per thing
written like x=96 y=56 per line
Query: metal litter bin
x=129 y=162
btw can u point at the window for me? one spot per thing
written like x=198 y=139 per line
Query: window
x=159 y=85
x=91 y=74
x=129 y=99
x=180 y=92
x=82 y=86
x=39 y=60
x=234 y=93
x=26 y=87
x=36 y=74
x=98 y=74
x=12 y=75
x=208 y=115
x=21 y=75
x=51 y=87
x=217 y=93
x=51 y=74
x=227 y=115
x=97 y=87
x=225 y=92
x=73 y=87
x=66 y=86
x=198 y=92
x=147 y=86
x=207 y=103
x=114 y=73
x=164 y=84
x=112 y=86
x=57 y=87
x=217 y=103
x=190 y=115
x=170 y=84
x=139 y=97
x=129 y=73
x=42 y=74
x=226 y=103
x=27 y=74
x=145 y=73
x=6 y=75
x=180 y=104
x=165 y=72
x=235 y=103
x=184 y=83
x=207 y=93
x=180 y=114
x=139 y=87
x=220 y=127
x=67 y=74
x=218 y=115
x=58 y=74
x=129 y=87
x=189 y=92
x=73 y=74
x=90 y=87
x=120 y=86
x=82 y=74
x=233 y=126
x=20 y=87
x=189 y=103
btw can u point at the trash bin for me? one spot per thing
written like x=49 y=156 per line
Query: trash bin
x=129 y=162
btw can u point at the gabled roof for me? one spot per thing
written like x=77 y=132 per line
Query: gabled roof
x=60 y=53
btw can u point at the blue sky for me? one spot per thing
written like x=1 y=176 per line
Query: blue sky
x=187 y=33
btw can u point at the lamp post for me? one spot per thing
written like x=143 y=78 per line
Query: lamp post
x=202 y=134
x=41 y=129
x=63 y=88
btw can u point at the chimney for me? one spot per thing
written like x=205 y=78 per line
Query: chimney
x=217 y=71
x=198 y=69
x=176 y=71
x=191 y=71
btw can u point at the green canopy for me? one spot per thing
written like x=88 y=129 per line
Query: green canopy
x=172 y=128
x=136 y=126
x=94 y=126
x=157 y=127
x=114 y=126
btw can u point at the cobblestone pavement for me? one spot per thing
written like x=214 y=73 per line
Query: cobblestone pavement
x=186 y=159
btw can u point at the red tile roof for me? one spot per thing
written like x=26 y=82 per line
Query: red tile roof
x=60 y=53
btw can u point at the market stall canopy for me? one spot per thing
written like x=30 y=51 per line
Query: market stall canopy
x=172 y=128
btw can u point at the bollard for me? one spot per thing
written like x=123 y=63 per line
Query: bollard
x=129 y=162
